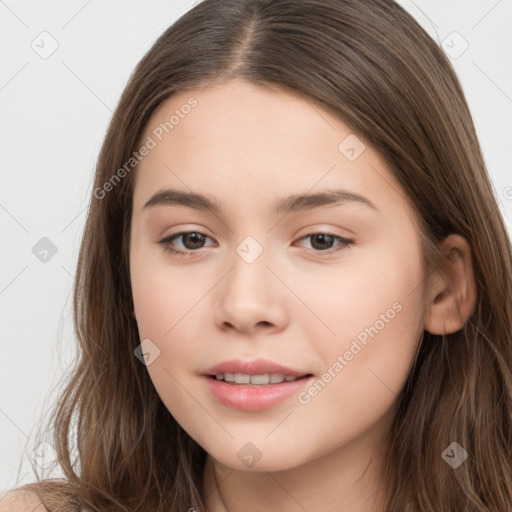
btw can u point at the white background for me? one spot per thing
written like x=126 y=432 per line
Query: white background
x=53 y=116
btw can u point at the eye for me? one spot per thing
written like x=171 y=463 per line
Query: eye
x=191 y=239
x=194 y=240
x=323 y=239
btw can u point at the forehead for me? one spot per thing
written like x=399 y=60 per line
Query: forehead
x=237 y=140
x=245 y=119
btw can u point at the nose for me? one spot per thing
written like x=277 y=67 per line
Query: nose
x=250 y=298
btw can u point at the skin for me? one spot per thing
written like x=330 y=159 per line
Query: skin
x=246 y=147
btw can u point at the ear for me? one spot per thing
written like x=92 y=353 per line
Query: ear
x=452 y=296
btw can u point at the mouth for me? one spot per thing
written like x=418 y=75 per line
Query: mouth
x=266 y=379
x=259 y=392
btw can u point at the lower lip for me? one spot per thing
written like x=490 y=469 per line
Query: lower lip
x=254 y=398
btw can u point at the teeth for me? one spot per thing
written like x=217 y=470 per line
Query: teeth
x=258 y=379
x=243 y=378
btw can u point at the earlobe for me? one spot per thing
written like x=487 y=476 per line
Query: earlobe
x=453 y=294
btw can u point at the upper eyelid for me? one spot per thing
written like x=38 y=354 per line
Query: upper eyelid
x=181 y=233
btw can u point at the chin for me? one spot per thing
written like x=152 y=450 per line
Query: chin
x=265 y=459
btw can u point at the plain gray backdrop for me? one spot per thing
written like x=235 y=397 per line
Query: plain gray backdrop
x=63 y=68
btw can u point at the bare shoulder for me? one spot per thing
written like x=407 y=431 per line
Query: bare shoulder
x=21 y=501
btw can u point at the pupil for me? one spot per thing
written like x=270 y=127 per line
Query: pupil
x=323 y=237
x=195 y=243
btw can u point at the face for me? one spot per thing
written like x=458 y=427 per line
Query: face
x=331 y=290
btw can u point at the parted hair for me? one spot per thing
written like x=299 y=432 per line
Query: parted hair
x=371 y=64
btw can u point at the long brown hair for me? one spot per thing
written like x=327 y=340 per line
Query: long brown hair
x=374 y=66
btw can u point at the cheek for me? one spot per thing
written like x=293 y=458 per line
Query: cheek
x=377 y=288
x=163 y=292
x=162 y=318
x=168 y=304
x=364 y=366
x=164 y=311
x=377 y=318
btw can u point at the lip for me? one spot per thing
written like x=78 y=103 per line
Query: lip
x=256 y=367
x=248 y=397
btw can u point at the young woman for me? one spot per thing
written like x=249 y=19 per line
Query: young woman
x=294 y=285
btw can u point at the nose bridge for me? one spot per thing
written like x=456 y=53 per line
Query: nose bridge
x=250 y=292
x=250 y=250
x=249 y=265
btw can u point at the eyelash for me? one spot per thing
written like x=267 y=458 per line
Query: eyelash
x=166 y=243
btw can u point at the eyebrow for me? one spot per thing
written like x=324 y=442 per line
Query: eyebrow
x=293 y=203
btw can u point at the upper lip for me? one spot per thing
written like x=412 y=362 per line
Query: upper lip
x=256 y=367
